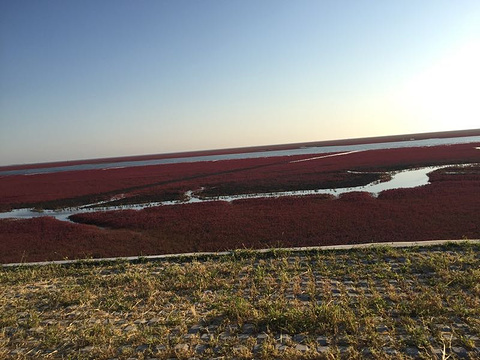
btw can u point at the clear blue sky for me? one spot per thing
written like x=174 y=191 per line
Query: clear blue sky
x=90 y=78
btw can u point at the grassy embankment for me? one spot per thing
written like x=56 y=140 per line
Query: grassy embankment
x=364 y=303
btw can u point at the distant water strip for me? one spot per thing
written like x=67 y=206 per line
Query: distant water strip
x=251 y=155
x=325 y=156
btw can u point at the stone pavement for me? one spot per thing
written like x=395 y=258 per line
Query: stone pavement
x=438 y=329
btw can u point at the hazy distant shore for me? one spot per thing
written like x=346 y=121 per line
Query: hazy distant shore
x=353 y=141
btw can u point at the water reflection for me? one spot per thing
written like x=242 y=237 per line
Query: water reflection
x=401 y=179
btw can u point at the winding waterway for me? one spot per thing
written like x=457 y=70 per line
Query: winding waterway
x=401 y=179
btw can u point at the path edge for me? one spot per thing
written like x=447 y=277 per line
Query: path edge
x=92 y=261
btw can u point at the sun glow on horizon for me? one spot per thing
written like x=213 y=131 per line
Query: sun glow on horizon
x=85 y=80
x=445 y=94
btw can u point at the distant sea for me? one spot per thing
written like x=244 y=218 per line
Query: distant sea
x=249 y=155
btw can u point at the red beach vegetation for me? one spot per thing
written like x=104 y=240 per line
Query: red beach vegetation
x=447 y=208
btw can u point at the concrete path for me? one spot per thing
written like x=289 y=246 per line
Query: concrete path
x=261 y=251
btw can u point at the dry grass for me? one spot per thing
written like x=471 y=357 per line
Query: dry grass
x=366 y=303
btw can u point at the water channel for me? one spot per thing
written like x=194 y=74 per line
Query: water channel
x=400 y=179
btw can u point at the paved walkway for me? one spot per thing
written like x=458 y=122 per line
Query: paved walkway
x=372 y=304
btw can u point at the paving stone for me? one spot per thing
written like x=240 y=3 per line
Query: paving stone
x=474 y=338
x=262 y=337
x=448 y=336
x=323 y=349
x=248 y=328
x=195 y=329
x=37 y=330
x=23 y=314
x=389 y=351
x=303 y=297
x=460 y=352
x=301 y=347
x=189 y=336
x=460 y=326
x=18 y=351
x=437 y=353
x=367 y=353
x=181 y=347
x=299 y=338
x=129 y=328
x=322 y=340
x=212 y=328
x=412 y=351
x=257 y=348
x=243 y=337
x=224 y=335
x=160 y=348
x=90 y=321
x=382 y=329
x=206 y=337
x=200 y=348
x=141 y=348
x=444 y=328
x=280 y=347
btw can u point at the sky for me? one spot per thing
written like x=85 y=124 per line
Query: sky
x=84 y=79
